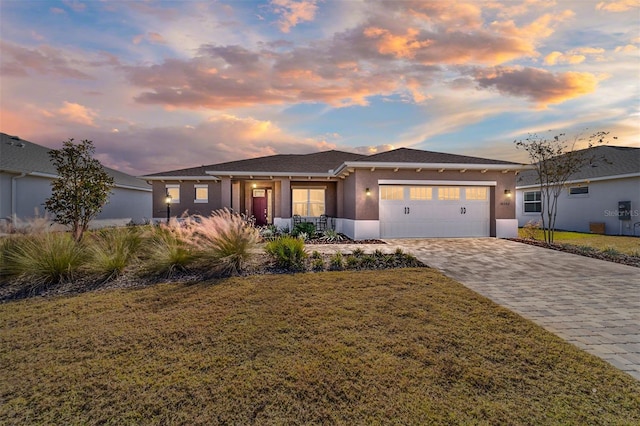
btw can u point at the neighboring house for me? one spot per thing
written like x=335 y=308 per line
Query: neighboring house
x=395 y=194
x=604 y=193
x=26 y=173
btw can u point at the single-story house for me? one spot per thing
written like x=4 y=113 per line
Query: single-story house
x=603 y=197
x=26 y=173
x=395 y=194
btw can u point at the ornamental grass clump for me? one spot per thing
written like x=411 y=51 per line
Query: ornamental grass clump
x=112 y=250
x=225 y=241
x=43 y=259
x=169 y=248
x=288 y=253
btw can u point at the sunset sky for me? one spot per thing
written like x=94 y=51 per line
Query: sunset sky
x=162 y=85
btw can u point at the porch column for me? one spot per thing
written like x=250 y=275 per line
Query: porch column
x=225 y=192
x=285 y=198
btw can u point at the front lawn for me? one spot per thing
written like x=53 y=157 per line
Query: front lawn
x=404 y=346
x=623 y=244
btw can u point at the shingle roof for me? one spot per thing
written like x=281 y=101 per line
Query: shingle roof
x=408 y=155
x=322 y=162
x=317 y=162
x=607 y=161
x=20 y=156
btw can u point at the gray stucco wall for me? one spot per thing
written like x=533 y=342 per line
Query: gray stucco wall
x=575 y=212
x=32 y=191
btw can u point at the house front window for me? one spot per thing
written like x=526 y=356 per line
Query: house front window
x=308 y=201
x=202 y=194
x=174 y=192
x=532 y=202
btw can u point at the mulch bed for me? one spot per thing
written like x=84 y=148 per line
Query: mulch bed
x=583 y=251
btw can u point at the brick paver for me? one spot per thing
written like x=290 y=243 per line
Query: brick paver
x=591 y=303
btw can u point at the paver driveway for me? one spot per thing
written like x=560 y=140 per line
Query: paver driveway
x=591 y=303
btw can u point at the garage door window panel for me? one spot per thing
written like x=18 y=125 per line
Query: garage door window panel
x=420 y=193
x=476 y=193
x=448 y=194
x=392 y=193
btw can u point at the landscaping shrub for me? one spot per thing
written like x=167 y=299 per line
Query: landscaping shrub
x=352 y=262
x=331 y=236
x=317 y=264
x=288 y=252
x=45 y=258
x=531 y=230
x=112 y=250
x=225 y=241
x=304 y=227
x=169 y=248
x=336 y=263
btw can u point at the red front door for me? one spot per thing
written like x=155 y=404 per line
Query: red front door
x=260 y=210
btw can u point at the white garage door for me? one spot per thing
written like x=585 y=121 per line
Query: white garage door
x=434 y=211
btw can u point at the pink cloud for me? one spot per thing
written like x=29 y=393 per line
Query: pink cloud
x=77 y=113
x=618 y=5
x=44 y=60
x=294 y=12
x=538 y=85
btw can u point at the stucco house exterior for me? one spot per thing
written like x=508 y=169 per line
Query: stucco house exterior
x=603 y=197
x=402 y=193
x=26 y=173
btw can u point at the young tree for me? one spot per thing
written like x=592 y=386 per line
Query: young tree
x=81 y=189
x=555 y=159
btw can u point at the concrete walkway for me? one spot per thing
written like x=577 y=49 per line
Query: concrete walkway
x=591 y=303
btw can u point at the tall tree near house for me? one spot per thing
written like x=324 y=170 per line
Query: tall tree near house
x=555 y=159
x=81 y=189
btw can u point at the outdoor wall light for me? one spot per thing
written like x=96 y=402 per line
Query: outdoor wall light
x=367 y=191
x=254 y=186
x=167 y=200
x=507 y=192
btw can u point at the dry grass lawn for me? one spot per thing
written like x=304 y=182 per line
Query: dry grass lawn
x=404 y=346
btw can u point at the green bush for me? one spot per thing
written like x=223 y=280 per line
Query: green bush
x=317 y=264
x=288 y=252
x=330 y=236
x=352 y=262
x=225 y=241
x=112 y=250
x=336 y=263
x=44 y=258
x=304 y=227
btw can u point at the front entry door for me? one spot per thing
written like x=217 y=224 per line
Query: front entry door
x=260 y=207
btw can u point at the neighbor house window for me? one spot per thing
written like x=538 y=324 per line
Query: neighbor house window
x=202 y=193
x=448 y=193
x=174 y=193
x=532 y=202
x=579 y=190
x=388 y=192
x=308 y=201
x=476 y=193
x=420 y=193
